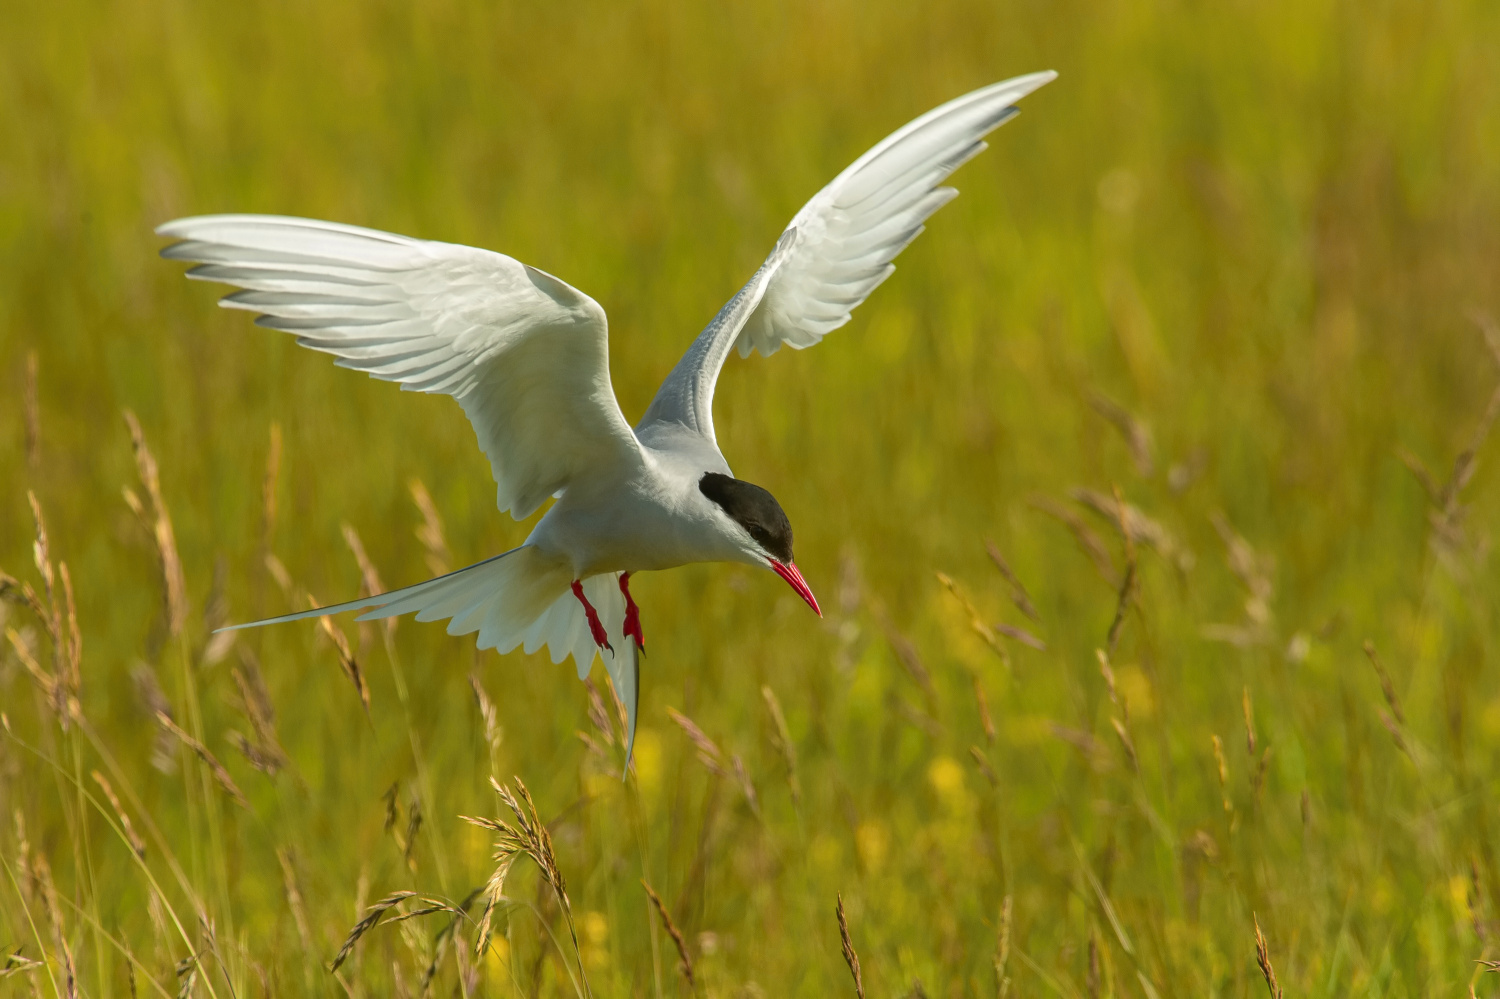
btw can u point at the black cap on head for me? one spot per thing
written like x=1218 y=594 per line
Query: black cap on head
x=754 y=509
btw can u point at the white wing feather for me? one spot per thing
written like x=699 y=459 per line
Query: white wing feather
x=839 y=247
x=525 y=354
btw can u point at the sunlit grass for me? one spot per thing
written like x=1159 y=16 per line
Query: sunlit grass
x=1264 y=233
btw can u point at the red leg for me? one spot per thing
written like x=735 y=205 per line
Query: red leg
x=601 y=637
x=632 y=614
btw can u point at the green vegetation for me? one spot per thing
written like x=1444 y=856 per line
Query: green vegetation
x=1239 y=263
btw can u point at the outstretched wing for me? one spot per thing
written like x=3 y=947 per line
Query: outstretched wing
x=525 y=355
x=839 y=247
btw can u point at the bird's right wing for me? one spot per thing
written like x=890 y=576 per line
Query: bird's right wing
x=838 y=247
x=525 y=354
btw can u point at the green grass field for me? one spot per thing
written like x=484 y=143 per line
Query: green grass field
x=1241 y=263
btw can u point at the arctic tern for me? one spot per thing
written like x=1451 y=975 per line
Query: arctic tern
x=527 y=357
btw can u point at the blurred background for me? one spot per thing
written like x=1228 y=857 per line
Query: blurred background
x=1236 y=267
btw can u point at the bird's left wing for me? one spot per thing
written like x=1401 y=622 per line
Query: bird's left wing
x=837 y=248
x=525 y=354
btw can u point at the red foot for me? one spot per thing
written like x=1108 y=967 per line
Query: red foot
x=632 y=614
x=601 y=637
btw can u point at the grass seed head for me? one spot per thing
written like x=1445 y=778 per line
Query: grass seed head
x=430 y=533
x=1263 y=958
x=137 y=845
x=347 y=662
x=174 y=587
x=221 y=775
x=1018 y=594
x=781 y=739
x=1386 y=686
x=370 y=920
x=851 y=958
x=685 y=961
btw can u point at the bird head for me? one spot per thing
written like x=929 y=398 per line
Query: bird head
x=760 y=528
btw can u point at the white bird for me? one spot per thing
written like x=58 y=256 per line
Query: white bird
x=527 y=357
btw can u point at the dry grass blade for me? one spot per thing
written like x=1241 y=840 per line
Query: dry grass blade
x=685 y=961
x=493 y=733
x=1137 y=435
x=41 y=555
x=1424 y=478
x=1019 y=635
x=137 y=845
x=347 y=662
x=160 y=523
x=1254 y=573
x=1136 y=526
x=1018 y=594
x=908 y=656
x=598 y=714
x=1079 y=739
x=149 y=693
x=1087 y=540
x=1259 y=780
x=52 y=687
x=40 y=874
x=976 y=623
x=430 y=533
x=263 y=758
x=1223 y=768
x=14 y=591
x=215 y=767
x=982 y=702
x=1127 y=743
x=265 y=753
x=850 y=957
x=781 y=740
x=747 y=786
x=1121 y=722
x=1263 y=958
x=413 y=827
x=60 y=684
x=1249 y=710
x=621 y=715
x=72 y=641
x=279 y=573
x=1107 y=671
x=1127 y=585
x=1386 y=686
x=371 y=918
x=982 y=762
x=1394 y=727
x=714 y=759
x=369 y=576
x=16 y=962
x=32 y=409
x=293 y=890
x=709 y=753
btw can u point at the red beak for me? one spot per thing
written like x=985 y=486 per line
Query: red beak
x=788 y=572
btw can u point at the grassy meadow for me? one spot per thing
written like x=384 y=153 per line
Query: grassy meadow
x=1237 y=268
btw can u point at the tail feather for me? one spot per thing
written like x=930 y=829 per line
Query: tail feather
x=518 y=598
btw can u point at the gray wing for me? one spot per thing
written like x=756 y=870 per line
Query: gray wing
x=838 y=248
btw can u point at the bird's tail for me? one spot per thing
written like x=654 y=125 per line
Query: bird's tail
x=520 y=598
